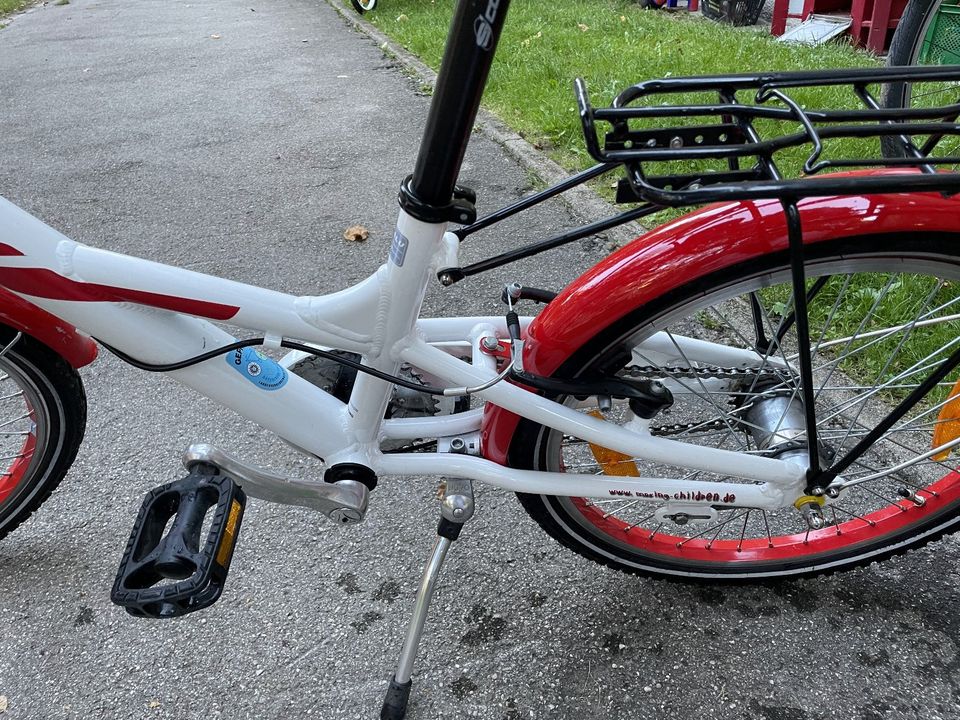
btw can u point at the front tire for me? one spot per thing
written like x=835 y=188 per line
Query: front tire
x=878 y=324
x=43 y=413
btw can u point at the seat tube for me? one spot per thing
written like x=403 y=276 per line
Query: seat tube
x=407 y=273
x=426 y=197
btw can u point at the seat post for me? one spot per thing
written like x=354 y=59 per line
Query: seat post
x=471 y=43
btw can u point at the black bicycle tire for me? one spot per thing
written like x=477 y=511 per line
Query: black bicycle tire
x=61 y=389
x=904 y=51
x=548 y=514
x=363 y=7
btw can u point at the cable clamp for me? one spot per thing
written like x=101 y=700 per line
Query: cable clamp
x=272 y=341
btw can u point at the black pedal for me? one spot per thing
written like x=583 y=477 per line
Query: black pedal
x=164 y=575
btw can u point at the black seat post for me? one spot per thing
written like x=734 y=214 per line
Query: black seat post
x=474 y=33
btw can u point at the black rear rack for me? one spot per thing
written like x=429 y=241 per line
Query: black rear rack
x=657 y=123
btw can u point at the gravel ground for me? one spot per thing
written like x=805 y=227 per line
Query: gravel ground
x=242 y=139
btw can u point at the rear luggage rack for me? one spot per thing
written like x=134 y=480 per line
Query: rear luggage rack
x=688 y=141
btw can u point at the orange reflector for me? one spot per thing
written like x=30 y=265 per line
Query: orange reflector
x=229 y=535
x=948 y=423
x=612 y=462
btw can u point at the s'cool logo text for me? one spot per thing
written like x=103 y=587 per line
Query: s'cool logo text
x=481 y=26
x=262 y=371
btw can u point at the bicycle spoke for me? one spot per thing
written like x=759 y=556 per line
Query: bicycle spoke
x=720 y=412
x=903 y=340
x=828 y=321
x=918 y=367
x=16 y=419
x=863 y=322
x=628 y=528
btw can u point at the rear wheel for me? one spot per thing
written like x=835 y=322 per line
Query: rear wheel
x=42 y=420
x=883 y=314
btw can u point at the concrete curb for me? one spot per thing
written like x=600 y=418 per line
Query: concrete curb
x=583 y=202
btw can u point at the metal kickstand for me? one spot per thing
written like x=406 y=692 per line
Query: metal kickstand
x=455 y=509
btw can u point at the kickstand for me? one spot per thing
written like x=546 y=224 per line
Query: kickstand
x=456 y=508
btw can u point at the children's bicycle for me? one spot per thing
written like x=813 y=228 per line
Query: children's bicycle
x=766 y=388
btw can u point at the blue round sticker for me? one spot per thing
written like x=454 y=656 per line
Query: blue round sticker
x=263 y=372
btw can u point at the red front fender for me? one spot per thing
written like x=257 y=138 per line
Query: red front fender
x=690 y=248
x=61 y=337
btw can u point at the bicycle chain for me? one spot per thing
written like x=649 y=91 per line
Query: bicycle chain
x=755 y=375
x=707 y=371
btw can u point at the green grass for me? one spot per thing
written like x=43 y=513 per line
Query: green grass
x=9 y=6
x=611 y=44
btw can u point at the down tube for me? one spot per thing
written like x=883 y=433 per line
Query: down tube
x=273 y=397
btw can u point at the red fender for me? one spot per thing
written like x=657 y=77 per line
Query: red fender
x=59 y=336
x=689 y=248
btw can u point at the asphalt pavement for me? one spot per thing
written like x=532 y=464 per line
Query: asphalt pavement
x=242 y=139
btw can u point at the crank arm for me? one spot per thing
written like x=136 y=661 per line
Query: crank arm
x=344 y=502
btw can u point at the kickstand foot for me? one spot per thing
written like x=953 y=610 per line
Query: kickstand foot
x=395 y=703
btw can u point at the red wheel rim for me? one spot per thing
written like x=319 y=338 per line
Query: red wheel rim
x=13 y=476
x=850 y=534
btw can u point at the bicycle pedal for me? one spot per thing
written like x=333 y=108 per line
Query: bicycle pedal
x=172 y=573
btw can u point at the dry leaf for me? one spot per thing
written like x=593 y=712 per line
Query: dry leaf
x=153 y=704
x=215 y=36
x=3 y=703
x=357 y=233
x=526 y=43
x=583 y=28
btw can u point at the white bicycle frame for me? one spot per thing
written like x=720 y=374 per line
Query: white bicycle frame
x=379 y=319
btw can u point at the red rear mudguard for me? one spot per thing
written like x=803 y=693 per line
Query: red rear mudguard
x=692 y=247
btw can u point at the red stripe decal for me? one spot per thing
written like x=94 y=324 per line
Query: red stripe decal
x=9 y=250
x=40 y=282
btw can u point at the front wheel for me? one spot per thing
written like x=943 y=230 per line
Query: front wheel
x=883 y=313
x=362 y=6
x=43 y=413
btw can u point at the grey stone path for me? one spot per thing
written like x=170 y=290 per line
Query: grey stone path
x=242 y=139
